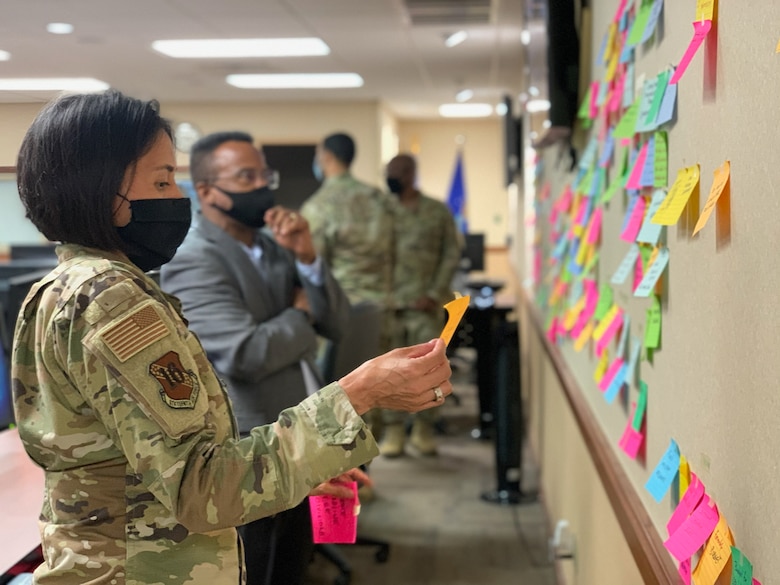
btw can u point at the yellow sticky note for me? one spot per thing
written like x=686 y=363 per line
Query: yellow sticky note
x=606 y=322
x=716 y=555
x=612 y=67
x=455 y=311
x=673 y=204
x=602 y=366
x=582 y=253
x=777 y=48
x=722 y=175
x=573 y=314
x=587 y=331
x=685 y=476
x=704 y=10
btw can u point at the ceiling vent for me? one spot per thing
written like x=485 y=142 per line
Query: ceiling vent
x=448 y=12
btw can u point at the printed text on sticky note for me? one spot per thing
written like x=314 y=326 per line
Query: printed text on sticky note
x=334 y=520
x=677 y=197
x=455 y=311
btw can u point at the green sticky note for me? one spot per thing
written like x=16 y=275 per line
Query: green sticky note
x=625 y=128
x=590 y=265
x=741 y=568
x=618 y=182
x=640 y=23
x=658 y=96
x=661 y=161
x=605 y=301
x=653 y=325
x=646 y=252
x=566 y=275
x=584 y=111
x=641 y=406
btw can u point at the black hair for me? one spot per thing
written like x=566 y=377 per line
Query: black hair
x=202 y=151
x=74 y=158
x=342 y=146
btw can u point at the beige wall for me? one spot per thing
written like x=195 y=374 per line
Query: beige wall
x=434 y=143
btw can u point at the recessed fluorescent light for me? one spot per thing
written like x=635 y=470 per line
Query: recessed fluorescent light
x=464 y=96
x=233 y=48
x=86 y=84
x=501 y=109
x=525 y=37
x=5 y=56
x=294 y=80
x=533 y=90
x=535 y=106
x=59 y=28
x=465 y=110
x=456 y=38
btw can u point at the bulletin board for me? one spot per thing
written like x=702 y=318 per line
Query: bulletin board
x=712 y=381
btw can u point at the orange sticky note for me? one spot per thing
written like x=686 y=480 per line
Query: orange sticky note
x=719 y=183
x=584 y=336
x=573 y=313
x=455 y=312
x=716 y=555
x=704 y=9
x=673 y=204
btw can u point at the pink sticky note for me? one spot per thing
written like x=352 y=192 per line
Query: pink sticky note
x=613 y=368
x=631 y=441
x=636 y=171
x=334 y=520
x=595 y=90
x=700 y=30
x=553 y=330
x=594 y=228
x=694 y=532
x=756 y=581
x=609 y=334
x=564 y=202
x=638 y=274
x=687 y=505
x=685 y=571
x=553 y=215
x=583 y=207
x=634 y=223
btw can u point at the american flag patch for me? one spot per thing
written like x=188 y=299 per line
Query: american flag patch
x=135 y=332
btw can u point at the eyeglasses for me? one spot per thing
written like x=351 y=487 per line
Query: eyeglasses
x=249 y=177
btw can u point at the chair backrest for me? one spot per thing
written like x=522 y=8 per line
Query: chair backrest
x=359 y=343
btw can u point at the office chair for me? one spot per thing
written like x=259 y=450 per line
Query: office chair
x=360 y=343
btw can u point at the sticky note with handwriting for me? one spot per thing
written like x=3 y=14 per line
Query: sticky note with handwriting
x=651 y=232
x=689 y=501
x=704 y=9
x=620 y=275
x=616 y=384
x=634 y=223
x=334 y=520
x=455 y=311
x=719 y=186
x=661 y=160
x=653 y=273
x=685 y=571
x=741 y=568
x=716 y=555
x=636 y=171
x=694 y=530
x=632 y=440
x=677 y=198
x=700 y=30
x=653 y=325
x=641 y=407
x=664 y=473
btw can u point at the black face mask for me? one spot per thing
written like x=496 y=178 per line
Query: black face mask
x=394 y=185
x=249 y=207
x=157 y=228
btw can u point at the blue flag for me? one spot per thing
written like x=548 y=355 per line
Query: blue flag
x=456 y=200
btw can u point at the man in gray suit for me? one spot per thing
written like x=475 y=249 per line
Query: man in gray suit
x=257 y=300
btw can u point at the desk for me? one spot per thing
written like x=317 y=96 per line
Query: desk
x=21 y=496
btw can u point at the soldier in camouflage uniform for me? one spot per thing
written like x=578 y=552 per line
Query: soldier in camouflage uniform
x=114 y=397
x=427 y=252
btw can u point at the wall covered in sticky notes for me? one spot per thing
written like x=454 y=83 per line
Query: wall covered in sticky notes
x=671 y=333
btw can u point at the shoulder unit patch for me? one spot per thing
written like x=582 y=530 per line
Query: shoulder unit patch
x=179 y=387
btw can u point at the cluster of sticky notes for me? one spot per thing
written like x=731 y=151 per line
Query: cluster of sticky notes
x=334 y=519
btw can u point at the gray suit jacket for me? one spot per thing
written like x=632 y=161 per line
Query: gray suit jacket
x=246 y=322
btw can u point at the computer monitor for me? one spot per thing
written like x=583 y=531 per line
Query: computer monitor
x=27 y=252
x=473 y=258
x=6 y=404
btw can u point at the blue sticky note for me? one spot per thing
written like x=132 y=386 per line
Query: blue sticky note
x=628 y=88
x=652 y=22
x=629 y=212
x=608 y=150
x=627 y=54
x=666 y=111
x=603 y=48
x=648 y=171
x=560 y=248
x=575 y=292
x=616 y=384
x=580 y=175
x=623 y=26
x=636 y=347
x=597 y=185
x=653 y=274
x=626 y=266
x=664 y=473
x=589 y=154
x=645 y=105
x=651 y=232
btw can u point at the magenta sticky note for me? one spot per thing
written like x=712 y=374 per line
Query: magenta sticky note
x=700 y=30
x=691 y=498
x=334 y=520
x=756 y=581
x=631 y=441
x=685 y=571
x=638 y=274
x=594 y=228
x=595 y=90
x=613 y=368
x=617 y=95
x=694 y=531
x=552 y=332
x=634 y=223
x=636 y=172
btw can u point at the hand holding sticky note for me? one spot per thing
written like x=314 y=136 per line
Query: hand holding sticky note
x=455 y=311
x=333 y=519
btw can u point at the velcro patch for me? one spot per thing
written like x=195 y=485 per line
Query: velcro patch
x=135 y=332
x=180 y=387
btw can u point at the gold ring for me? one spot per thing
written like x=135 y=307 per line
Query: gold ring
x=438 y=395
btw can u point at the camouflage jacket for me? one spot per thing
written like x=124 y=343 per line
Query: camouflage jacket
x=145 y=474
x=427 y=252
x=352 y=226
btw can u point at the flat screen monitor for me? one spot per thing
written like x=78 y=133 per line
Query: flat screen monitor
x=474 y=253
x=26 y=252
x=6 y=408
